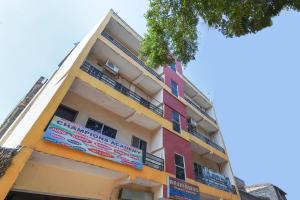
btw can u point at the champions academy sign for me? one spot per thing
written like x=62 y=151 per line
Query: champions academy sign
x=180 y=190
x=75 y=136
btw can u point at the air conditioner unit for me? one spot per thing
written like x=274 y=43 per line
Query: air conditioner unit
x=192 y=122
x=112 y=68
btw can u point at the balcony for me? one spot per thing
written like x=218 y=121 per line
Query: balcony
x=154 y=162
x=88 y=68
x=199 y=108
x=61 y=133
x=214 y=179
x=194 y=132
x=131 y=55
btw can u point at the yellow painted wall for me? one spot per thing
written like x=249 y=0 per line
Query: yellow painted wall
x=13 y=171
x=29 y=130
x=48 y=179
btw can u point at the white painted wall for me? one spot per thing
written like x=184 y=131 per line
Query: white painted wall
x=125 y=129
x=156 y=99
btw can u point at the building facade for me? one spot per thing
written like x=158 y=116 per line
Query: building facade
x=244 y=194
x=266 y=190
x=106 y=126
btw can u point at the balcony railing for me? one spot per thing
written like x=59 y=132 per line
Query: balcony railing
x=215 y=180
x=154 y=162
x=87 y=67
x=194 y=132
x=202 y=110
x=131 y=55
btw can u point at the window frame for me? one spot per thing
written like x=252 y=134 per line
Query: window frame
x=173 y=67
x=177 y=123
x=140 y=140
x=91 y=119
x=67 y=108
x=197 y=175
x=180 y=166
x=115 y=134
x=102 y=128
x=176 y=92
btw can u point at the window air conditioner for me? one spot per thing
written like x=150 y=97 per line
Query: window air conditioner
x=112 y=68
x=192 y=122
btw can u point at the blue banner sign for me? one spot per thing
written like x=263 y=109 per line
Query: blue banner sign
x=180 y=190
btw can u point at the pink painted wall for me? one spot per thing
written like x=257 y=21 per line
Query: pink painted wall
x=175 y=144
x=179 y=67
x=168 y=115
x=173 y=104
x=172 y=142
x=170 y=101
x=171 y=75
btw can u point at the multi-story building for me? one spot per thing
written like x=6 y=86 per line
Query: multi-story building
x=266 y=190
x=106 y=126
x=244 y=195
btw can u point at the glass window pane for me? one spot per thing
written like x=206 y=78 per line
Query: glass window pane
x=179 y=160
x=94 y=125
x=66 y=113
x=198 y=171
x=175 y=116
x=110 y=132
x=173 y=67
x=140 y=144
x=174 y=88
x=176 y=127
x=135 y=142
x=143 y=145
x=176 y=121
x=180 y=174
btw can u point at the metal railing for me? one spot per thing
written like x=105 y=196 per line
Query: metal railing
x=215 y=180
x=202 y=110
x=131 y=55
x=90 y=69
x=194 y=132
x=154 y=162
x=210 y=183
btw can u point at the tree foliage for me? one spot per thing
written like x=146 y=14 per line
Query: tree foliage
x=172 y=24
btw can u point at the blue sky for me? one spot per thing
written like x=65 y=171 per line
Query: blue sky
x=253 y=80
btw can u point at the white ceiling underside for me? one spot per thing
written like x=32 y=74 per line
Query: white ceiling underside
x=127 y=70
x=201 y=122
x=206 y=153
x=107 y=102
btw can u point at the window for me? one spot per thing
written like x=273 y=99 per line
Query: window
x=180 y=169
x=173 y=67
x=140 y=144
x=94 y=125
x=66 y=113
x=108 y=131
x=174 y=88
x=101 y=128
x=176 y=121
x=198 y=171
